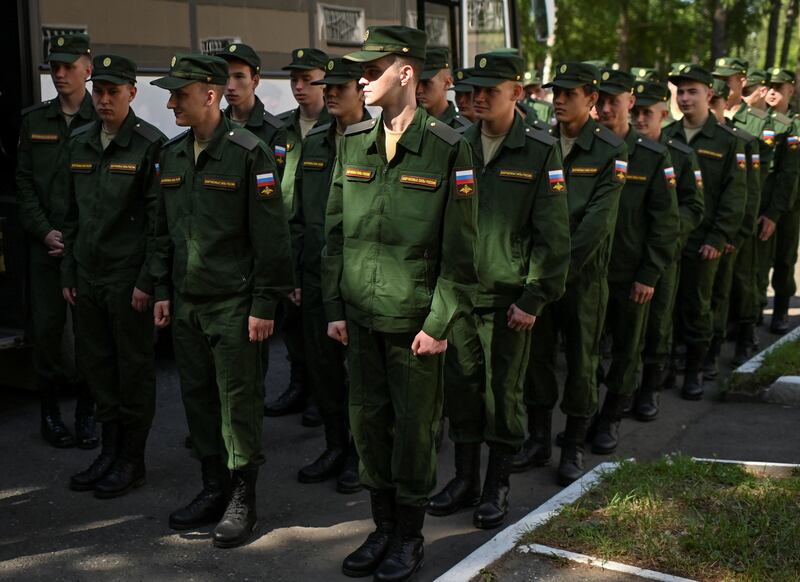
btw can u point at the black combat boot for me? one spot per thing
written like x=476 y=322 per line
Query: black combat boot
x=110 y=437
x=645 y=407
x=693 y=376
x=606 y=436
x=494 y=498
x=53 y=429
x=240 y=519
x=331 y=460
x=745 y=344
x=368 y=556
x=311 y=417
x=406 y=554
x=85 y=424
x=463 y=490
x=780 y=316
x=348 y=481
x=538 y=449
x=711 y=361
x=293 y=399
x=128 y=470
x=210 y=503
x=570 y=467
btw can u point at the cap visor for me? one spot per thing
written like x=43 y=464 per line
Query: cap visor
x=647 y=101
x=429 y=74
x=723 y=72
x=63 y=57
x=564 y=84
x=612 y=89
x=334 y=80
x=171 y=83
x=462 y=87
x=112 y=79
x=484 y=81
x=300 y=67
x=365 y=56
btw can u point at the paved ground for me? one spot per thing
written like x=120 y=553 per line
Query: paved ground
x=50 y=533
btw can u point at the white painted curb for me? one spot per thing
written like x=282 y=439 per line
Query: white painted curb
x=753 y=364
x=505 y=541
x=605 y=565
x=747 y=463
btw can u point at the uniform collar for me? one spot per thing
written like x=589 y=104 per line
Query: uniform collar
x=330 y=135
x=123 y=137
x=256 y=117
x=741 y=113
x=411 y=140
x=324 y=117
x=214 y=147
x=632 y=139
x=514 y=139
x=449 y=114
x=85 y=111
x=585 y=137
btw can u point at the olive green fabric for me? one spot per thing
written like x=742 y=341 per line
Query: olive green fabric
x=340 y=71
x=572 y=74
x=756 y=77
x=67 y=48
x=728 y=66
x=756 y=122
x=269 y=129
x=380 y=41
x=241 y=52
x=436 y=59
x=658 y=334
x=778 y=75
x=614 y=82
x=647 y=74
x=453 y=118
x=648 y=93
x=493 y=68
x=294 y=151
x=626 y=324
x=114 y=69
x=544 y=110
x=186 y=69
x=691 y=72
x=307 y=59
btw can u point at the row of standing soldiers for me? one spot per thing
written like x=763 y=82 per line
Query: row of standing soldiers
x=418 y=260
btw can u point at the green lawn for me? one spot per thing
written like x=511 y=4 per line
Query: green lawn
x=782 y=361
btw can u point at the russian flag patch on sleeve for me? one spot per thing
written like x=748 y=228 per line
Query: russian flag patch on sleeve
x=556 y=179
x=620 y=169
x=280 y=155
x=465 y=183
x=265 y=183
x=669 y=174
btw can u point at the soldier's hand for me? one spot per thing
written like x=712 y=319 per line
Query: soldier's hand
x=709 y=253
x=140 y=300
x=55 y=242
x=425 y=345
x=296 y=296
x=337 y=330
x=767 y=228
x=519 y=320
x=259 y=329
x=70 y=294
x=729 y=249
x=641 y=293
x=161 y=316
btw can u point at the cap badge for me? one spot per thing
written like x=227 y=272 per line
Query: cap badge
x=460 y=75
x=720 y=62
x=563 y=69
x=300 y=53
x=606 y=75
x=776 y=71
x=174 y=60
x=330 y=65
x=232 y=48
x=106 y=62
x=60 y=41
x=366 y=35
x=642 y=72
x=482 y=63
x=640 y=89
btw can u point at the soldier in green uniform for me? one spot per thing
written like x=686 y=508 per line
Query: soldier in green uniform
x=719 y=152
x=787 y=229
x=644 y=243
x=308 y=65
x=396 y=270
x=535 y=97
x=595 y=164
x=437 y=78
x=646 y=75
x=221 y=265
x=733 y=70
x=105 y=273
x=523 y=258
x=649 y=113
x=42 y=179
x=326 y=371
x=463 y=95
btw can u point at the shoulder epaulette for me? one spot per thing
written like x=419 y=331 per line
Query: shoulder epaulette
x=286 y=114
x=462 y=129
x=745 y=136
x=608 y=136
x=177 y=138
x=728 y=129
x=36 y=106
x=361 y=126
x=319 y=129
x=243 y=138
x=462 y=121
x=147 y=131
x=650 y=144
x=272 y=120
x=781 y=118
x=760 y=113
x=680 y=146
x=540 y=134
x=82 y=129
x=444 y=132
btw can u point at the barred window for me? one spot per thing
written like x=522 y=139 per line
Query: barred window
x=214 y=45
x=51 y=31
x=436 y=25
x=341 y=25
x=486 y=15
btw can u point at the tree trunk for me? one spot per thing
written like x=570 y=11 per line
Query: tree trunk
x=791 y=20
x=719 y=21
x=623 y=34
x=772 y=33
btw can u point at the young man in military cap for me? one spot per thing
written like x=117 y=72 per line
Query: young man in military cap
x=536 y=97
x=645 y=75
x=327 y=375
x=733 y=70
x=649 y=113
x=106 y=275
x=644 y=242
x=436 y=79
x=784 y=199
x=723 y=167
x=42 y=180
x=307 y=66
x=463 y=95
x=522 y=263
x=221 y=266
x=595 y=165
x=399 y=258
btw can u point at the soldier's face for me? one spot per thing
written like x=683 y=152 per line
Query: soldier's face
x=779 y=93
x=304 y=92
x=383 y=78
x=432 y=92
x=614 y=110
x=736 y=84
x=241 y=83
x=572 y=105
x=495 y=103
x=464 y=104
x=693 y=97
x=190 y=104
x=647 y=120
x=70 y=78
x=112 y=102
x=344 y=100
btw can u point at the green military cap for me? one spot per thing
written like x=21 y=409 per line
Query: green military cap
x=339 y=71
x=616 y=82
x=756 y=77
x=68 y=47
x=114 y=69
x=675 y=68
x=600 y=64
x=778 y=75
x=575 y=74
x=460 y=76
x=436 y=59
x=504 y=50
x=648 y=93
x=493 y=68
x=241 y=52
x=648 y=74
x=727 y=66
x=532 y=78
x=721 y=88
x=307 y=59
x=380 y=41
x=186 y=69
x=692 y=73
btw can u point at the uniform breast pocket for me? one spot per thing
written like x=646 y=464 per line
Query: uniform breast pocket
x=424 y=181
x=359 y=173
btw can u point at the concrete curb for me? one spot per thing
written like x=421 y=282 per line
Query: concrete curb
x=785 y=390
x=734 y=390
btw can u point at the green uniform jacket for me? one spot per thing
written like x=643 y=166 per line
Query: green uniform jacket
x=523 y=220
x=753 y=163
x=111 y=204
x=220 y=225
x=268 y=129
x=689 y=189
x=757 y=122
x=594 y=185
x=647 y=221
x=400 y=236
x=454 y=119
x=294 y=150
x=724 y=183
x=43 y=167
x=780 y=185
x=312 y=186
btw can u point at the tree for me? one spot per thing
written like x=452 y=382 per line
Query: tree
x=772 y=32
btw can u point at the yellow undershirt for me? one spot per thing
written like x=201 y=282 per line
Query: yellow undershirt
x=392 y=137
x=490 y=144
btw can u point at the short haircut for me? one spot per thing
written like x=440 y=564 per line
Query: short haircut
x=418 y=65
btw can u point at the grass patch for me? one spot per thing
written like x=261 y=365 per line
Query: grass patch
x=707 y=521
x=782 y=361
